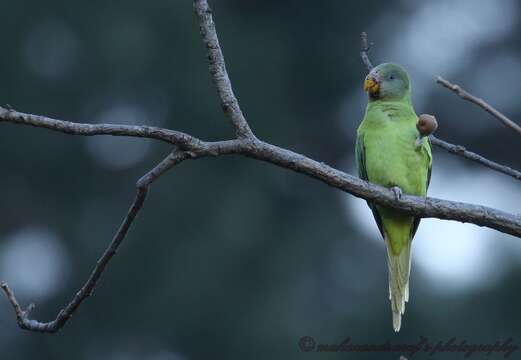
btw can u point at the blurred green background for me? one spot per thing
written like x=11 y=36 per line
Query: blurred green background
x=233 y=258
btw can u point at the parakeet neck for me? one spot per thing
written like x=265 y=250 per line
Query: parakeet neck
x=394 y=107
x=406 y=98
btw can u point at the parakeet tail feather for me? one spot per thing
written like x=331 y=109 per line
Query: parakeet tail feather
x=399 y=271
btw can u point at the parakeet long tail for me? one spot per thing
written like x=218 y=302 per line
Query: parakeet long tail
x=399 y=270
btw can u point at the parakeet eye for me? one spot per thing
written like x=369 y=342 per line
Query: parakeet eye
x=391 y=77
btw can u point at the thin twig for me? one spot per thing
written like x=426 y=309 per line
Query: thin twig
x=481 y=103
x=65 y=314
x=364 y=51
x=461 y=151
x=218 y=71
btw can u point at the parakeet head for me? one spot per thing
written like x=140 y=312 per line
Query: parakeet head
x=387 y=82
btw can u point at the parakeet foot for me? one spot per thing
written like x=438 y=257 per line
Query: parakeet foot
x=418 y=143
x=397 y=192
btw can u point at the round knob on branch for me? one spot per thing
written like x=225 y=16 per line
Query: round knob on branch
x=426 y=124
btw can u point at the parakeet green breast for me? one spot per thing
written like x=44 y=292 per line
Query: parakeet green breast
x=387 y=154
x=391 y=156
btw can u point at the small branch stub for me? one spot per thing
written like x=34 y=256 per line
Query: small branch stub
x=426 y=124
x=22 y=316
x=364 y=51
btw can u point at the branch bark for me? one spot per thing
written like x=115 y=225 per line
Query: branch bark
x=246 y=144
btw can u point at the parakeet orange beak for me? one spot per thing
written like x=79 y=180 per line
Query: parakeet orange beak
x=372 y=84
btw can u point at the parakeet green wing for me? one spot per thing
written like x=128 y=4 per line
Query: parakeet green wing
x=417 y=220
x=362 y=174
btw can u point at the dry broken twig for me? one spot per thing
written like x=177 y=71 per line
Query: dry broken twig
x=246 y=144
x=364 y=51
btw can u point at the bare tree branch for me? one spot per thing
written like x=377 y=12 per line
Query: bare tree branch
x=481 y=103
x=461 y=151
x=451 y=148
x=261 y=150
x=218 y=71
x=183 y=141
x=142 y=186
x=418 y=206
x=246 y=144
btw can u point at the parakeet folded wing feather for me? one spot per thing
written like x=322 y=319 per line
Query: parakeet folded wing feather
x=362 y=174
x=417 y=220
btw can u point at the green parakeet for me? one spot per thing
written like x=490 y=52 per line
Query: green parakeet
x=389 y=153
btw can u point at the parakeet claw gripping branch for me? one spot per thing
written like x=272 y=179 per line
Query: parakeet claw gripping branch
x=247 y=144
